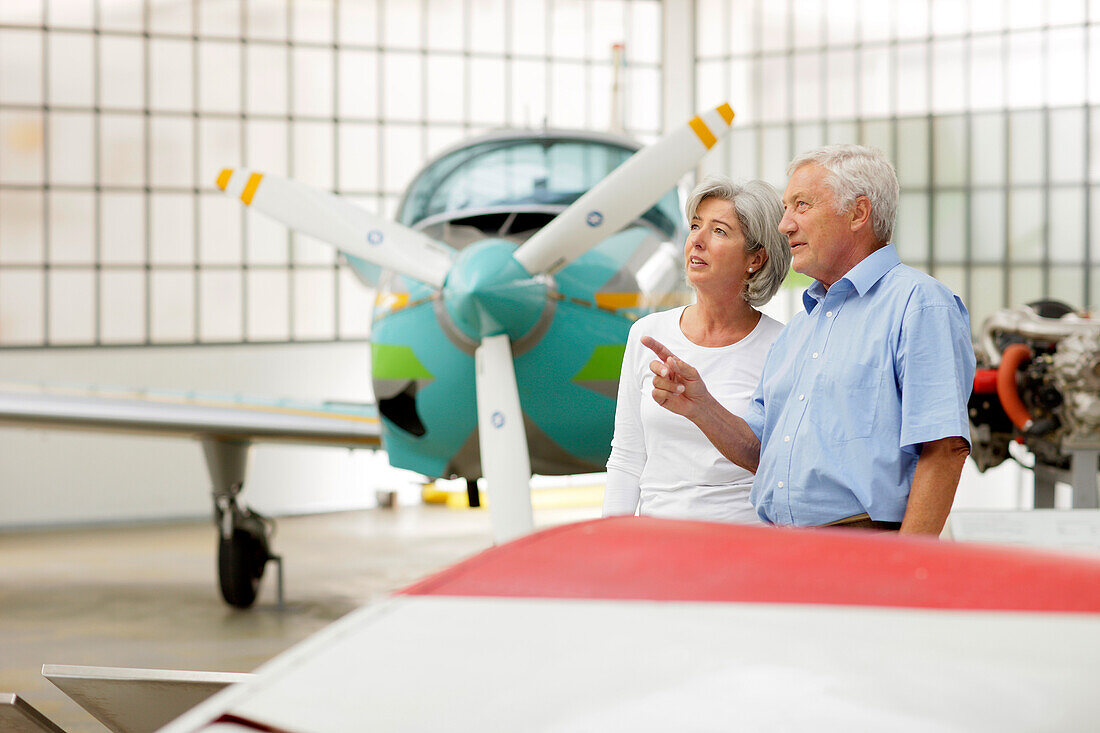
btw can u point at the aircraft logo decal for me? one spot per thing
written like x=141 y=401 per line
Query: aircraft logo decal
x=498 y=419
x=594 y=218
x=374 y=236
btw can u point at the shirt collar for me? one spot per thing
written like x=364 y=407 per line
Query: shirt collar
x=866 y=273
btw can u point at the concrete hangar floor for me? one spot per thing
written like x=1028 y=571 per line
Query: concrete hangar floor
x=146 y=596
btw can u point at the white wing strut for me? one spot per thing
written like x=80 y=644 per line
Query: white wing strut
x=624 y=194
x=351 y=229
x=504 y=459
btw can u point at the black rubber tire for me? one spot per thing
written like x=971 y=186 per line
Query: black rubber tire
x=241 y=562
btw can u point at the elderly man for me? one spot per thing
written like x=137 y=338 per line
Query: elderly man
x=860 y=417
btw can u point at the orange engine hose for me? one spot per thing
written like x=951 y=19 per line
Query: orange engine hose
x=1011 y=360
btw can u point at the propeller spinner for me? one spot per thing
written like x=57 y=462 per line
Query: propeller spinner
x=491 y=291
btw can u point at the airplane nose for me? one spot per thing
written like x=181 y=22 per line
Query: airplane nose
x=487 y=292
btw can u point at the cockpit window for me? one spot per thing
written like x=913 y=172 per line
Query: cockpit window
x=520 y=172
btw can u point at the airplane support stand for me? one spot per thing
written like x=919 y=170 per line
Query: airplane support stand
x=1081 y=476
x=243 y=534
x=473 y=494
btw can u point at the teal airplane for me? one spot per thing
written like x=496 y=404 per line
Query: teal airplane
x=506 y=288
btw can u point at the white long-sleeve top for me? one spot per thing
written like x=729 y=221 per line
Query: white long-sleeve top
x=661 y=459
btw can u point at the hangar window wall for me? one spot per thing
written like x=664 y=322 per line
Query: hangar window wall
x=116 y=116
x=988 y=109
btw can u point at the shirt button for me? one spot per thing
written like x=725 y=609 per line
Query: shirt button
x=801 y=397
x=815 y=354
x=781 y=484
x=828 y=314
x=786 y=439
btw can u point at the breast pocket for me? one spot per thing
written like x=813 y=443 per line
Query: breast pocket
x=844 y=407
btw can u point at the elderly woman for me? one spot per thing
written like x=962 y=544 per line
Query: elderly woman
x=735 y=259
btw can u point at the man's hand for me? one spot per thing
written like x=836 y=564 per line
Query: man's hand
x=677 y=386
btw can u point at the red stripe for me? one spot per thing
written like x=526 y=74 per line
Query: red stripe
x=665 y=560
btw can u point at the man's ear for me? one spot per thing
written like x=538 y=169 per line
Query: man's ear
x=861 y=213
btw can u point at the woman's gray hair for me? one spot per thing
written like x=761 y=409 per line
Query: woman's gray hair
x=854 y=171
x=758 y=212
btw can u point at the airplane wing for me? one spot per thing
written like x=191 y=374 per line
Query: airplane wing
x=190 y=414
x=650 y=625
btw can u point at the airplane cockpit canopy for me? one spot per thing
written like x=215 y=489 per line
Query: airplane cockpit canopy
x=538 y=174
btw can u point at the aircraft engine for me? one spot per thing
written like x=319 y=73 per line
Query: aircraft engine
x=1037 y=383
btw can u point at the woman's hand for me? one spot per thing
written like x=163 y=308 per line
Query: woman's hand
x=677 y=386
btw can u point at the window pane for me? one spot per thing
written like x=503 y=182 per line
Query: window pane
x=267 y=241
x=358 y=157
x=486 y=91
x=313 y=154
x=70 y=66
x=401 y=146
x=170 y=69
x=643 y=100
x=220 y=299
x=874 y=90
x=777 y=153
x=986 y=73
x=21 y=239
x=401 y=23
x=1026 y=89
x=314 y=304
x=71 y=306
x=1067 y=284
x=948 y=76
x=1067 y=146
x=268 y=305
x=70 y=147
x=171 y=148
x=311 y=20
x=121 y=150
x=22 y=140
x=358 y=23
x=220 y=229
x=809 y=22
x=774 y=80
x=402 y=86
x=912 y=160
x=173 y=228
x=266 y=91
x=711 y=40
x=566 y=106
x=987 y=149
x=987 y=226
x=121 y=73
x=878 y=134
x=122 y=306
x=987 y=292
x=949 y=237
x=266 y=19
x=529 y=93
x=1027 y=233
x=446 y=26
x=1025 y=284
x=21 y=66
x=567 y=29
x=172 y=305
x=1026 y=155
x=1065 y=66
x=529 y=22
x=72 y=236
x=949 y=146
x=73 y=14
x=840 y=22
x=911 y=231
x=1067 y=225
x=313 y=82
x=912 y=83
x=356 y=305
x=487 y=25
x=358 y=83
x=122 y=228
x=219 y=76
x=21 y=307
x=840 y=69
x=265 y=146
x=219 y=147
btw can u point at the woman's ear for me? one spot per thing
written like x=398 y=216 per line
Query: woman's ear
x=757 y=261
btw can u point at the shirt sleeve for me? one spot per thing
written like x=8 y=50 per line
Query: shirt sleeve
x=935 y=372
x=628 y=453
x=620 y=497
x=754 y=413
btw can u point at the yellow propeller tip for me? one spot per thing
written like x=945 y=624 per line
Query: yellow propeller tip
x=223 y=178
x=727 y=113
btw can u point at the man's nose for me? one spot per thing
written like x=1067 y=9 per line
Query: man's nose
x=786 y=224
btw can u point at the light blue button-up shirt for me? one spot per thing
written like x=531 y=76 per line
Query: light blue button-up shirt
x=878 y=364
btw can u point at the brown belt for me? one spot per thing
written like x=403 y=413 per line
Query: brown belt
x=863 y=521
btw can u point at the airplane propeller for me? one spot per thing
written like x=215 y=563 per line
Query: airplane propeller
x=492 y=291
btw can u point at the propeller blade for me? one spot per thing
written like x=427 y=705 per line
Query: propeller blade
x=351 y=229
x=624 y=194
x=504 y=460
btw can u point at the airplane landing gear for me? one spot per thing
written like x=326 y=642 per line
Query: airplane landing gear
x=244 y=536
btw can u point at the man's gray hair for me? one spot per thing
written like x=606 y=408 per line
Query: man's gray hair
x=758 y=212
x=854 y=171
